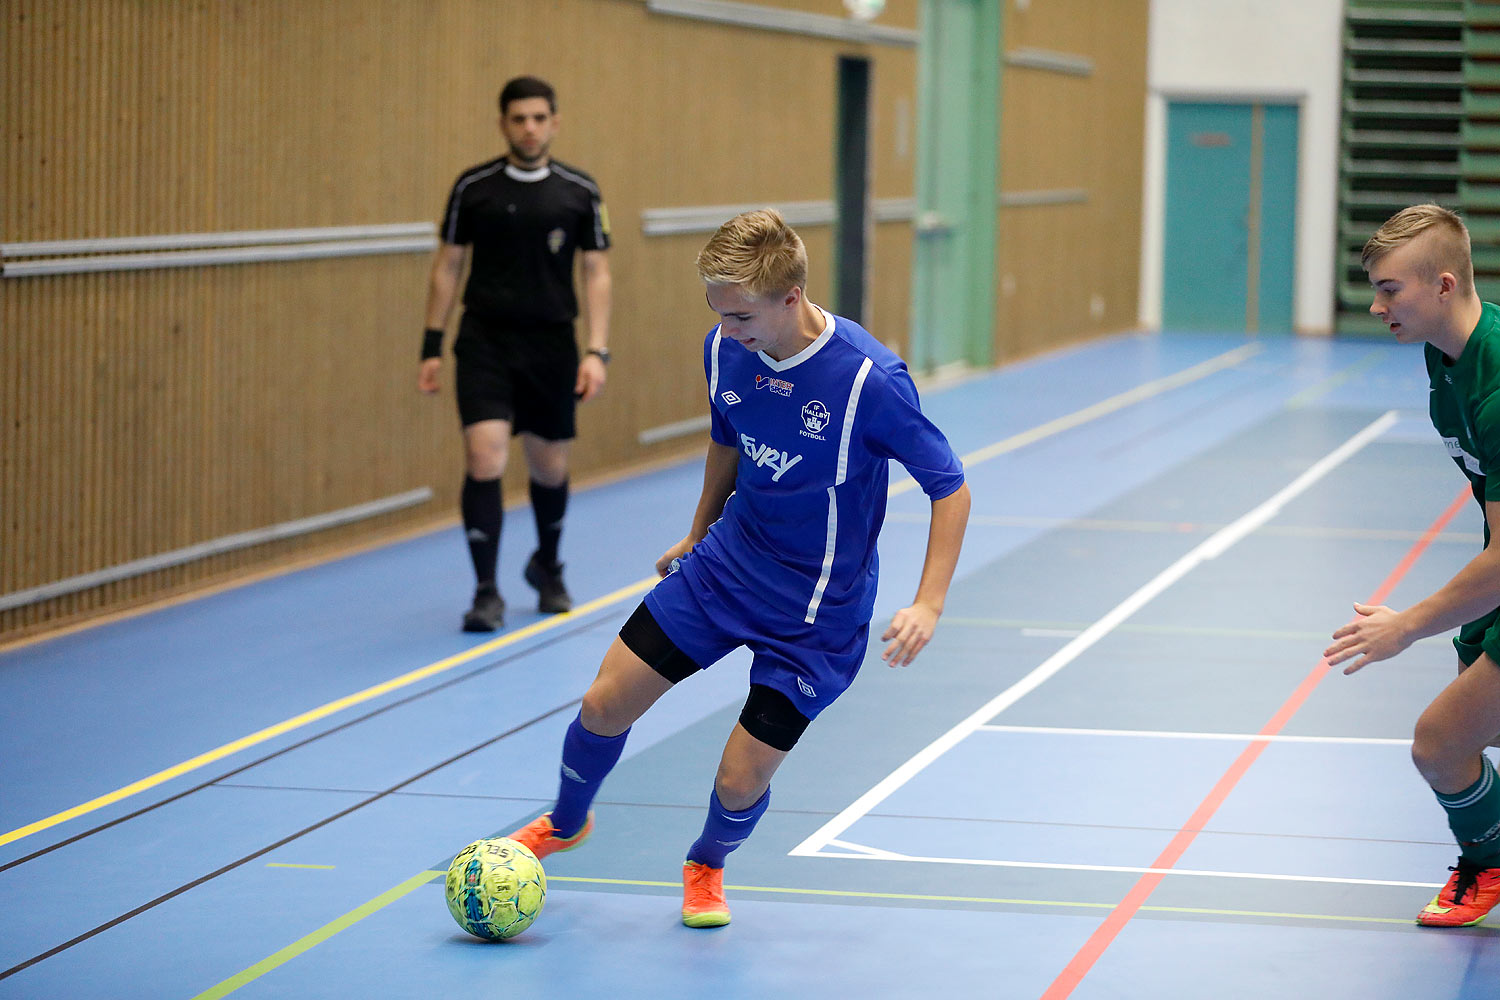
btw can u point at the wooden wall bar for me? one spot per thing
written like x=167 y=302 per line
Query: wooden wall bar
x=146 y=411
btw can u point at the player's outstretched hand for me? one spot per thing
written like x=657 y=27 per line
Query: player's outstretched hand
x=910 y=630
x=1376 y=634
x=427 y=375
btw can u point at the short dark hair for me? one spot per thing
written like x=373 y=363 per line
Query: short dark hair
x=523 y=87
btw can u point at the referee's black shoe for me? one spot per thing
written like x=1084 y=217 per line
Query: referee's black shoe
x=552 y=595
x=488 y=612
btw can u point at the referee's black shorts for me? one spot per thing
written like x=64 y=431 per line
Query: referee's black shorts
x=524 y=375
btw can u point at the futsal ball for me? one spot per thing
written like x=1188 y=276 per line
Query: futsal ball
x=495 y=888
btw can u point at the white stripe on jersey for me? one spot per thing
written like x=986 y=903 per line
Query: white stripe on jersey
x=828 y=547
x=578 y=179
x=833 y=498
x=713 y=368
x=593 y=189
x=859 y=384
x=450 y=230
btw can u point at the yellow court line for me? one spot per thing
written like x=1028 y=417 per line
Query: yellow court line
x=323 y=711
x=998 y=901
x=1335 y=380
x=1102 y=408
x=354 y=916
x=317 y=937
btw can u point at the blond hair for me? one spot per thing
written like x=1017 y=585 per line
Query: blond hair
x=1447 y=251
x=756 y=251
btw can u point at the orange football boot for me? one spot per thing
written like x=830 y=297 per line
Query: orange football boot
x=1467 y=899
x=703 y=902
x=541 y=836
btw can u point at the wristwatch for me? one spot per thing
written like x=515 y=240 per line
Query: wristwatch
x=602 y=353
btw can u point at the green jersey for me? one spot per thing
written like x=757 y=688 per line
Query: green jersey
x=1465 y=404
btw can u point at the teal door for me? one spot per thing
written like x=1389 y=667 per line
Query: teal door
x=953 y=261
x=1231 y=208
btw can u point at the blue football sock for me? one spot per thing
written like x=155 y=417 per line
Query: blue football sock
x=723 y=830
x=587 y=759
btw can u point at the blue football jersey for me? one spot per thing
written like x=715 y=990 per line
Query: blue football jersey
x=814 y=433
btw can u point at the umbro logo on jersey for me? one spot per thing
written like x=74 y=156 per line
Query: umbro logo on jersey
x=779 y=386
x=806 y=688
x=729 y=397
x=765 y=455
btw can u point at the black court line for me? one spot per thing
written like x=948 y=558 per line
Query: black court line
x=406 y=700
x=164 y=897
x=979 y=820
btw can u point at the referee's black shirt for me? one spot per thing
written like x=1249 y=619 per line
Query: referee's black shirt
x=525 y=226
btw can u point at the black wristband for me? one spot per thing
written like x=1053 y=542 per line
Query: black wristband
x=432 y=343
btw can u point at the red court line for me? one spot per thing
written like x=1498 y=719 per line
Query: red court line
x=1105 y=934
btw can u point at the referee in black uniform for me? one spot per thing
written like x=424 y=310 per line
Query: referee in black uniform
x=518 y=366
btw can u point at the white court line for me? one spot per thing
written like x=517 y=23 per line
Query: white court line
x=1169 y=735
x=1211 y=547
x=861 y=851
x=1105 y=406
x=875 y=854
x=1143 y=391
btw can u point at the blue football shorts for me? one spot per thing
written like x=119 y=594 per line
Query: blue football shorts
x=810 y=664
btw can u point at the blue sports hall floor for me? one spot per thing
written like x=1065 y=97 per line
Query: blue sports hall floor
x=1121 y=769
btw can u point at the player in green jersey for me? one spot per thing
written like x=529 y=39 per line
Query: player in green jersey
x=1421 y=267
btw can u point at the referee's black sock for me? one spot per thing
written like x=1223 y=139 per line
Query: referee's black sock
x=483 y=516
x=548 y=504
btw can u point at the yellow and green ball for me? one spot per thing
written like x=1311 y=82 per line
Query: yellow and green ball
x=495 y=888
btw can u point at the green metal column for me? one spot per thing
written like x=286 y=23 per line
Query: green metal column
x=953 y=262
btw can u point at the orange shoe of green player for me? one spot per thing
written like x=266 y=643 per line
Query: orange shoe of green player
x=1471 y=892
x=541 y=836
x=703 y=902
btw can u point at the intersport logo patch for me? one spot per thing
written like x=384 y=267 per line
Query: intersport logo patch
x=780 y=387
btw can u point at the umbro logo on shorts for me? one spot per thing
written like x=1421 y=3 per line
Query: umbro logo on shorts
x=806 y=688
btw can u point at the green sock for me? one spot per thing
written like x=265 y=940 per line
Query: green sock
x=1474 y=817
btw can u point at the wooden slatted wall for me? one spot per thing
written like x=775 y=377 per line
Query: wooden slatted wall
x=145 y=411
x=1070 y=271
